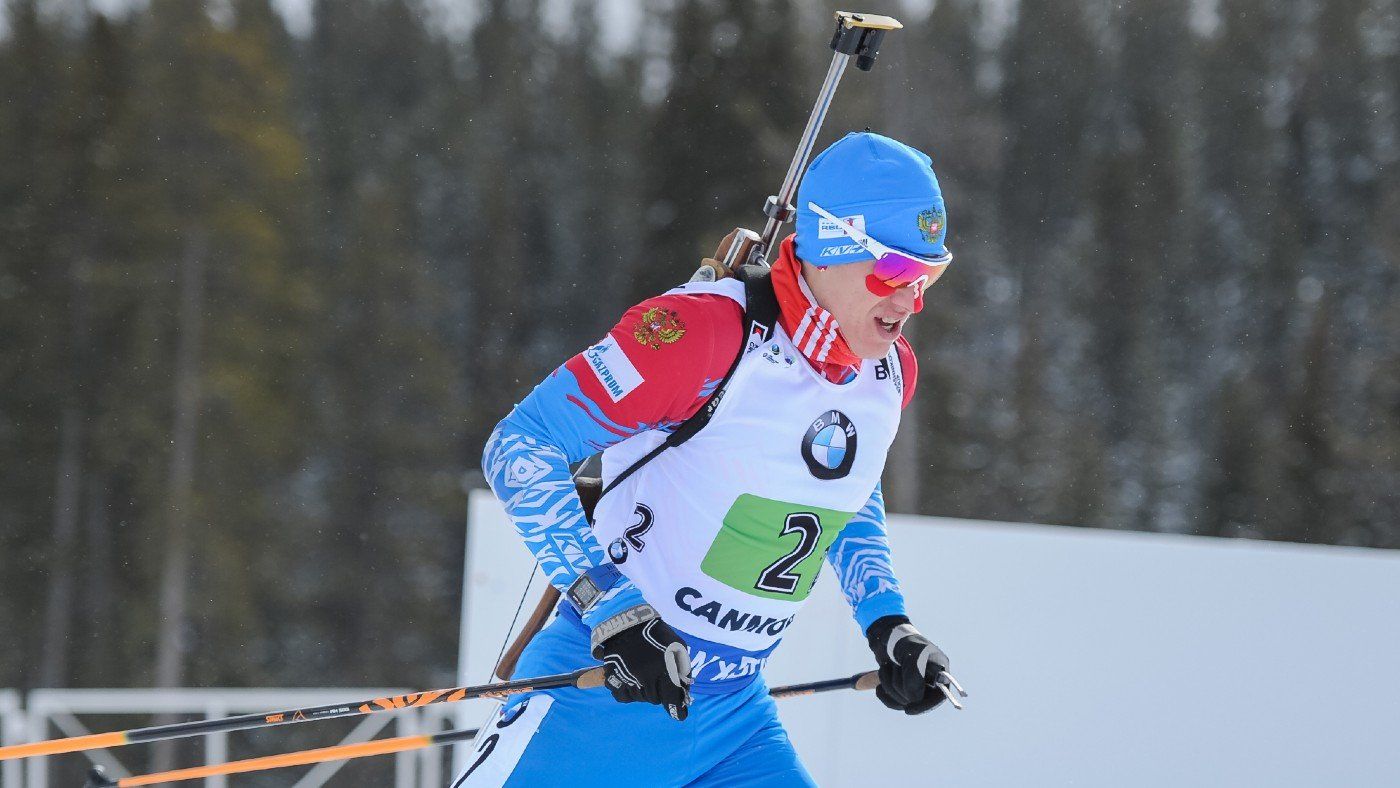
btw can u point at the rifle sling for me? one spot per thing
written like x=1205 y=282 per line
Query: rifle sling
x=760 y=315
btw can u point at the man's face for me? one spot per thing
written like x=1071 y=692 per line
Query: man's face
x=870 y=323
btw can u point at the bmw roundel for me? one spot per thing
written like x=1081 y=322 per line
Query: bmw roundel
x=829 y=447
x=617 y=550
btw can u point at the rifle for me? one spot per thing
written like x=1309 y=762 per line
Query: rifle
x=857 y=35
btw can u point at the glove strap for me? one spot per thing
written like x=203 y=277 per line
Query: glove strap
x=897 y=634
x=631 y=617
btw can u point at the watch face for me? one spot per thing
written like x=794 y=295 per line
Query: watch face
x=583 y=593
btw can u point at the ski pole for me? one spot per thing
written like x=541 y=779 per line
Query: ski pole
x=582 y=678
x=97 y=779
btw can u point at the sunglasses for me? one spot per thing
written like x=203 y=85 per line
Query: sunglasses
x=893 y=269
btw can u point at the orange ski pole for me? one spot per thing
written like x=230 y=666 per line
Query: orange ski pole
x=582 y=678
x=96 y=778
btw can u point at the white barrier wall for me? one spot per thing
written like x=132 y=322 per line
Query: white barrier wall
x=1093 y=658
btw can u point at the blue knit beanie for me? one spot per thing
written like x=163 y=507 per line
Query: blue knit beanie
x=885 y=187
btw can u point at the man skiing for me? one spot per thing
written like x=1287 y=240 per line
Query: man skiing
x=697 y=562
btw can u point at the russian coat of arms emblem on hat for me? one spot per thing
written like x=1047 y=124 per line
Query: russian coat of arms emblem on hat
x=931 y=224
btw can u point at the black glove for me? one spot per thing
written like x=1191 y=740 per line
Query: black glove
x=644 y=660
x=911 y=668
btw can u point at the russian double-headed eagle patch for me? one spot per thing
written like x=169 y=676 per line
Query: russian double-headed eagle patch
x=658 y=326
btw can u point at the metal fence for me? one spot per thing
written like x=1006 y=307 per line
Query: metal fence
x=12 y=731
x=48 y=713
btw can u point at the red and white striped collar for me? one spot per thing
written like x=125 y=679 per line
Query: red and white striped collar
x=814 y=330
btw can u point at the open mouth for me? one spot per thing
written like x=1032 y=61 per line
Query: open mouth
x=888 y=329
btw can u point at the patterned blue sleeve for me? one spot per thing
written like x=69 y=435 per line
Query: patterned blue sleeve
x=526 y=462
x=861 y=557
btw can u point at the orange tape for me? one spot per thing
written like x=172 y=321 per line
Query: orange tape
x=57 y=746
x=341 y=752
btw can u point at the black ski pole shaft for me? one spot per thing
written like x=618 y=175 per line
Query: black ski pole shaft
x=860 y=681
x=96 y=779
x=582 y=678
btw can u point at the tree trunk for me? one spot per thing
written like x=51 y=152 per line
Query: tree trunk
x=58 y=616
x=174 y=579
x=99 y=589
x=68 y=487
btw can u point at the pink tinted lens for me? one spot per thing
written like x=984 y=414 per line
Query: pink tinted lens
x=895 y=270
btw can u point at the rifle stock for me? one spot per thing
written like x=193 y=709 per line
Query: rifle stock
x=590 y=489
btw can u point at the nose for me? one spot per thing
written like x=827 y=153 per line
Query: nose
x=906 y=298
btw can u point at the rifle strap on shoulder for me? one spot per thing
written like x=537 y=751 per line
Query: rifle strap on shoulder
x=760 y=316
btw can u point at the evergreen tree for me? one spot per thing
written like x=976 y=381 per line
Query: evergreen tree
x=1051 y=106
x=41 y=438
x=721 y=138
x=389 y=448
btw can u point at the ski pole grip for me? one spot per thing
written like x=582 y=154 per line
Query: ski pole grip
x=593 y=677
x=867 y=681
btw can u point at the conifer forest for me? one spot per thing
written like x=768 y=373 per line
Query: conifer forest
x=265 y=290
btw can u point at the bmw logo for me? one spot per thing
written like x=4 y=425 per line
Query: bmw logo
x=617 y=551
x=829 y=447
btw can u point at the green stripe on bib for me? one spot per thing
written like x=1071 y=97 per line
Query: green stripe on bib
x=772 y=549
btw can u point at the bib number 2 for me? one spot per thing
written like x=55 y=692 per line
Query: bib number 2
x=778 y=577
x=772 y=549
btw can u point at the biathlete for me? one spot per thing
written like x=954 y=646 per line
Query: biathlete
x=698 y=561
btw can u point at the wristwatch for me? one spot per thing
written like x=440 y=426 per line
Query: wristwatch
x=590 y=586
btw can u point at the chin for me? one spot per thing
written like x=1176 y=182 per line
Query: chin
x=872 y=348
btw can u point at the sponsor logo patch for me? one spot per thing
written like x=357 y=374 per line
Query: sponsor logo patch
x=775 y=355
x=829 y=229
x=757 y=335
x=837 y=251
x=617 y=551
x=613 y=369
x=714 y=667
x=693 y=602
x=888 y=369
x=829 y=447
